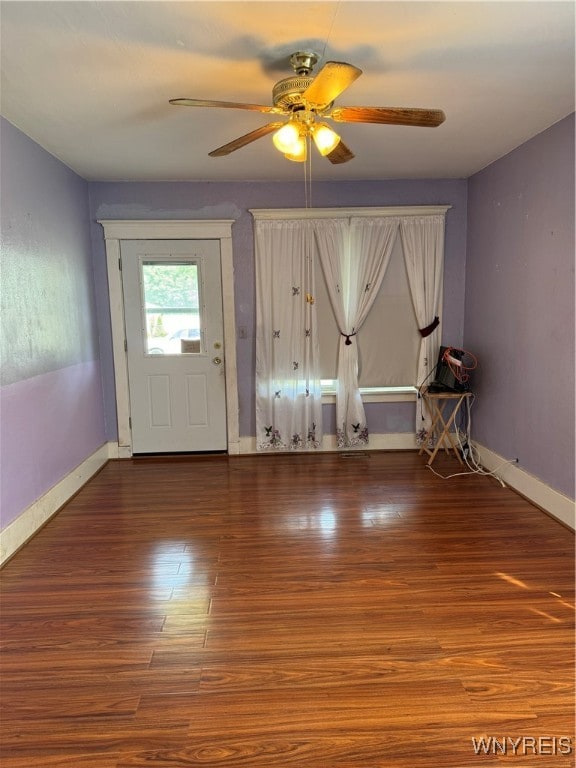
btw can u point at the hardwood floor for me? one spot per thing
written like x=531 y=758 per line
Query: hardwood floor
x=305 y=611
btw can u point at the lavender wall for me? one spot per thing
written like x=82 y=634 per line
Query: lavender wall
x=51 y=395
x=232 y=201
x=516 y=314
x=519 y=317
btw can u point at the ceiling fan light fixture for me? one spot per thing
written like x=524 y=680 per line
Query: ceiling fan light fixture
x=325 y=138
x=299 y=151
x=303 y=98
x=287 y=138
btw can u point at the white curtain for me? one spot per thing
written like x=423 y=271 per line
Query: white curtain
x=354 y=256
x=288 y=392
x=423 y=245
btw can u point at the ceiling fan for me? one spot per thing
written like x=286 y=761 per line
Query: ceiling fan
x=307 y=101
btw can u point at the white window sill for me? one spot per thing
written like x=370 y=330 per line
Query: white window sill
x=377 y=394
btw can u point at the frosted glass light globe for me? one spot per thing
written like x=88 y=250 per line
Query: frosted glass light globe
x=286 y=138
x=325 y=139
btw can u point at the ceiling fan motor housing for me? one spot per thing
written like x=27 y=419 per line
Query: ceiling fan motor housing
x=287 y=93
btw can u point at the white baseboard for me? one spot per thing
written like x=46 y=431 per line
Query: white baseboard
x=400 y=441
x=555 y=503
x=116 y=451
x=17 y=533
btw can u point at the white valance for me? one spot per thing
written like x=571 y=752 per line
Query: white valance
x=343 y=213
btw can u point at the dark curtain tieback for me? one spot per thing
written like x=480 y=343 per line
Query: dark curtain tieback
x=348 y=336
x=429 y=328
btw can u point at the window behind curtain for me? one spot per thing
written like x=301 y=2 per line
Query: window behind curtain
x=388 y=342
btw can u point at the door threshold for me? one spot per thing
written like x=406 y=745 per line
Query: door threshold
x=178 y=454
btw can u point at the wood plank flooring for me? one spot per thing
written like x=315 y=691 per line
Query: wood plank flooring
x=300 y=611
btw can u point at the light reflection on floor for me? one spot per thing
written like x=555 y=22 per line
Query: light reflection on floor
x=176 y=566
x=555 y=602
x=381 y=514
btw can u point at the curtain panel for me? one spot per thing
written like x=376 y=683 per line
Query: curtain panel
x=288 y=391
x=354 y=256
x=423 y=246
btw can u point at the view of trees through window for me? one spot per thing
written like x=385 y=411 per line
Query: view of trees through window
x=171 y=298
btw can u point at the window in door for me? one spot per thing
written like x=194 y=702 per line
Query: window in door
x=171 y=293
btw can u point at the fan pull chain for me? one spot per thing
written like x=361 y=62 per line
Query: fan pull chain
x=308 y=174
x=305 y=185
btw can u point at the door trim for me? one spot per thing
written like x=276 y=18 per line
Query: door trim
x=116 y=230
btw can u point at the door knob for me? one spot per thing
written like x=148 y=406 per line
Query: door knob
x=216 y=360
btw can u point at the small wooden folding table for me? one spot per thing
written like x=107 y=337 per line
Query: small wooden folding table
x=439 y=435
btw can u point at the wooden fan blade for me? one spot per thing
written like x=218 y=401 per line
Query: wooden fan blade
x=248 y=138
x=340 y=154
x=427 y=118
x=330 y=82
x=224 y=105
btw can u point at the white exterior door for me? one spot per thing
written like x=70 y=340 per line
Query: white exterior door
x=175 y=345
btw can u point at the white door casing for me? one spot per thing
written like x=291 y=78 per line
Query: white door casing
x=176 y=385
x=116 y=231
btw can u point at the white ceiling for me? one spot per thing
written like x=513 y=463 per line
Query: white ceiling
x=90 y=82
